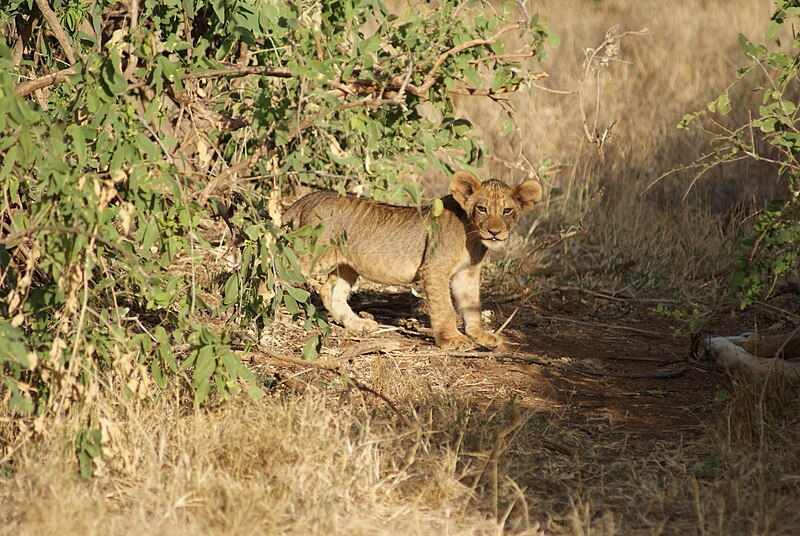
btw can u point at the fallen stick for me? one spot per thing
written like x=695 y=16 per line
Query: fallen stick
x=354 y=382
x=601 y=325
x=730 y=355
x=673 y=373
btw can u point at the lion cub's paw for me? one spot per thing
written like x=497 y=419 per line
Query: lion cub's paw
x=489 y=340
x=361 y=325
x=457 y=341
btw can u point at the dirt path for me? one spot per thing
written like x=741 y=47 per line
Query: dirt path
x=594 y=419
x=592 y=360
x=610 y=400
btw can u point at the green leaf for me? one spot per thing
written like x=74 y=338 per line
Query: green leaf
x=747 y=47
x=772 y=29
x=150 y=236
x=206 y=364
x=8 y=162
x=724 y=103
x=158 y=375
x=201 y=391
x=508 y=125
x=311 y=348
x=231 y=290
x=291 y=304
x=298 y=294
x=438 y=207
x=231 y=363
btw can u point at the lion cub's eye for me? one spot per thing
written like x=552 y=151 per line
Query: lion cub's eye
x=507 y=211
x=481 y=209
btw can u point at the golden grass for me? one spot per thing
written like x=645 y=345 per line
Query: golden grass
x=333 y=461
x=297 y=465
x=689 y=55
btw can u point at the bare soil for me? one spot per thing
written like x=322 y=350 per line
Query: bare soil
x=591 y=360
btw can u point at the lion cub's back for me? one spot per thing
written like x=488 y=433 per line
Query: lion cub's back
x=384 y=242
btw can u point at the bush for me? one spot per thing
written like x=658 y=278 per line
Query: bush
x=121 y=122
x=769 y=255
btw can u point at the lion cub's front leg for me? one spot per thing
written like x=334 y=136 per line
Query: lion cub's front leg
x=466 y=290
x=443 y=316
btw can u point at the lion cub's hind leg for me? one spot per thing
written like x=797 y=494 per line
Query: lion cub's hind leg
x=334 y=294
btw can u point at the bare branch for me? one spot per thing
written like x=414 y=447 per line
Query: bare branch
x=333 y=368
x=578 y=230
x=24 y=89
x=133 y=59
x=430 y=78
x=55 y=26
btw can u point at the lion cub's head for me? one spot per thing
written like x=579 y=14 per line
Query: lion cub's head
x=493 y=206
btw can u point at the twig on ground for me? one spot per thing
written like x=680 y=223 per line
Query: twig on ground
x=664 y=374
x=508 y=320
x=352 y=381
x=608 y=295
x=601 y=325
x=536 y=360
x=548 y=272
x=367 y=347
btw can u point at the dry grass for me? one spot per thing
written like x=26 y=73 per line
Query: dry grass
x=325 y=458
x=689 y=55
x=298 y=464
x=473 y=462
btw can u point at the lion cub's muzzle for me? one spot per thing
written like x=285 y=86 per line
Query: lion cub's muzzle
x=493 y=238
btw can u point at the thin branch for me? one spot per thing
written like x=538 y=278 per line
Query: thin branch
x=544 y=362
x=133 y=59
x=13 y=237
x=497 y=57
x=55 y=26
x=602 y=325
x=354 y=382
x=507 y=322
x=234 y=70
x=24 y=89
x=268 y=145
x=430 y=78
x=578 y=230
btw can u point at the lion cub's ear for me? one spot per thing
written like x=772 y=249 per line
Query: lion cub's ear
x=462 y=185
x=528 y=194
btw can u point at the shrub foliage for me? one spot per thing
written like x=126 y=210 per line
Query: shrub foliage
x=122 y=124
x=769 y=256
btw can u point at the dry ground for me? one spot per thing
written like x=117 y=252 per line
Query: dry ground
x=599 y=422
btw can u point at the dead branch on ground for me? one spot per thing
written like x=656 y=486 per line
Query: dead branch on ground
x=759 y=355
x=333 y=368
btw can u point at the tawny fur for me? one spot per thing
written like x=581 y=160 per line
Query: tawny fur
x=395 y=245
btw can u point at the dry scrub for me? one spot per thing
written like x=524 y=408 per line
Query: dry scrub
x=672 y=232
x=475 y=461
x=294 y=464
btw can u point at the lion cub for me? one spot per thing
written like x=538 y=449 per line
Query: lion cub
x=392 y=245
